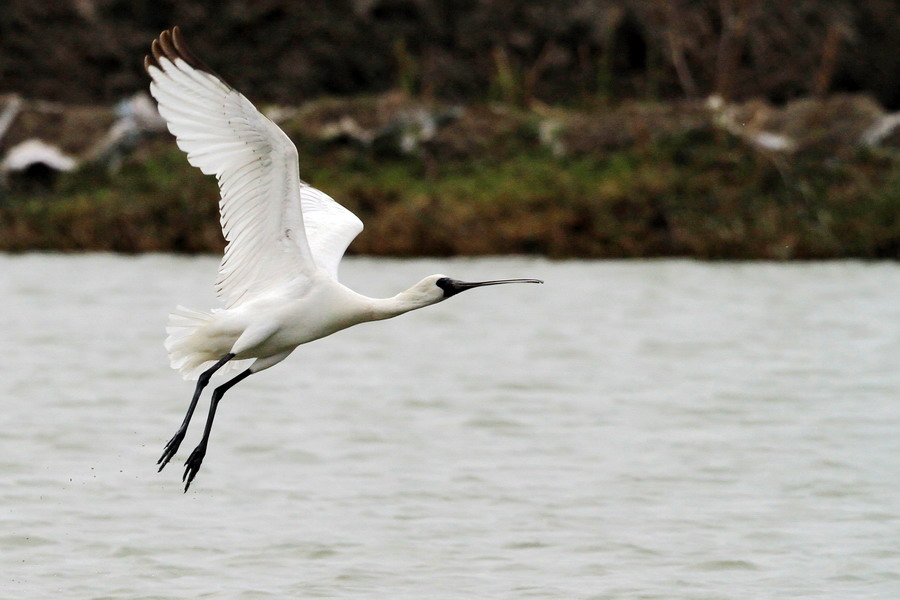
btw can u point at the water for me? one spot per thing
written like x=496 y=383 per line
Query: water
x=664 y=430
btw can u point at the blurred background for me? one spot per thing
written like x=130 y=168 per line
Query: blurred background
x=665 y=429
x=589 y=128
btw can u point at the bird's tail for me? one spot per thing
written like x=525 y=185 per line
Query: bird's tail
x=185 y=355
x=188 y=345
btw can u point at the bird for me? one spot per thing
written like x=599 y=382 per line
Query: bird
x=278 y=278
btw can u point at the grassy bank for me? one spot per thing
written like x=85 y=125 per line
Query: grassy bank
x=701 y=192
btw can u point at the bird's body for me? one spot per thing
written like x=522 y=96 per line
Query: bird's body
x=276 y=323
x=278 y=279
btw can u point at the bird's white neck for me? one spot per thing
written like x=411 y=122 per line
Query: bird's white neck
x=386 y=308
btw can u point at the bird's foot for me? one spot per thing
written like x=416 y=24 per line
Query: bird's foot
x=171 y=448
x=192 y=465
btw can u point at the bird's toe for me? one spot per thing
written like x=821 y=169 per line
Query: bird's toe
x=171 y=449
x=192 y=466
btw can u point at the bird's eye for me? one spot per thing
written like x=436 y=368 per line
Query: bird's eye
x=443 y=282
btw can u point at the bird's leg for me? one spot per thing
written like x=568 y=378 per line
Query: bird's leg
x=173 y=444
x=192 y=464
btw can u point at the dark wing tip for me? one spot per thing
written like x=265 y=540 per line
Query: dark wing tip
x=165 y=42
x=171 y=45
x=156 y=52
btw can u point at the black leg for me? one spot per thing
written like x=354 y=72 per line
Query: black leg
x=192 y=464
x=173 y=444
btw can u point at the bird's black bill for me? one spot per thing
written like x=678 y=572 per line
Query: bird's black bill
x=452 y=287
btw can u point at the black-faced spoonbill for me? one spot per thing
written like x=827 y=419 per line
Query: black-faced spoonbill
x=278 y=278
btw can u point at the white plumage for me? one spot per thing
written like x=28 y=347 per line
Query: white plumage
x=264 y=202
x=278 y=279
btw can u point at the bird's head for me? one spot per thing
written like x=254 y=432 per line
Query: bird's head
x=440 y=287
x=431 y=290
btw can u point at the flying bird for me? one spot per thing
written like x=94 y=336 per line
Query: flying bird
x=278 y=279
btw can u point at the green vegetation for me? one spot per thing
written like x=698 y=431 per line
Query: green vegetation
x=702 y=193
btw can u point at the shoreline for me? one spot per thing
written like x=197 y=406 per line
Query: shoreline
x=634 y=181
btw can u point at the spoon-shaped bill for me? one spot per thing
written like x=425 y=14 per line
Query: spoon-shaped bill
x=452 y=287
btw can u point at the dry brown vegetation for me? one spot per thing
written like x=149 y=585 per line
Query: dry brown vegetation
x=571 y=51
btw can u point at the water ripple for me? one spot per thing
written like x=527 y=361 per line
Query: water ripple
x=651 y=429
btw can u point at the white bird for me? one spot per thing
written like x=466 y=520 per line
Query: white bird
x=278 y=279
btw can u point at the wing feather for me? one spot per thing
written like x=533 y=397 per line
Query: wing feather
x=255 y=163
x=279 y=229
x=329 y=228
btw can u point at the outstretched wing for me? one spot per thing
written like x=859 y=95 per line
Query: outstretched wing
x=329 y=228
x=254 y=162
